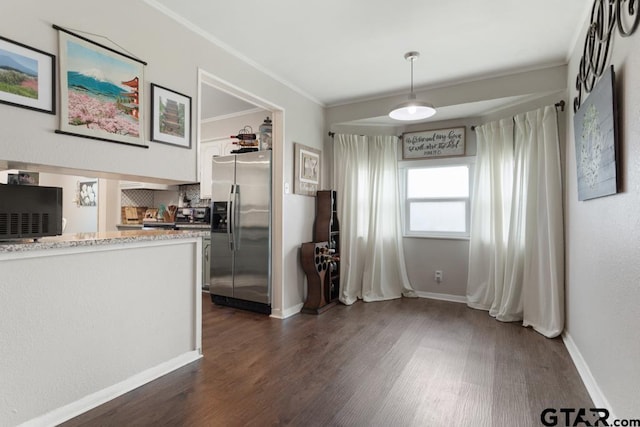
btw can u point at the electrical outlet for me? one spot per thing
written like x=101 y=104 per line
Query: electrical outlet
x=438 y=276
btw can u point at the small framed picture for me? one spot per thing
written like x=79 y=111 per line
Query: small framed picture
x=87 y=193
x=27 y=77
x=307 y=170
x=170 y=117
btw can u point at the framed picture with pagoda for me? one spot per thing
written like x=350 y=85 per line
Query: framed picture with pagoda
x=170 y=117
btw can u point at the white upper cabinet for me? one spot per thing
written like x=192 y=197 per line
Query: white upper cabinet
x=133 y=185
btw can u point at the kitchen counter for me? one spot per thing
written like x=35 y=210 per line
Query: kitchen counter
x=129 y=226
x=178 y=225
x=88 y=317
x=193 y=226
x=97 y=239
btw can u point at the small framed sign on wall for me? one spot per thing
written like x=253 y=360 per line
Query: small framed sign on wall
x=306 y=169
x=430 y=144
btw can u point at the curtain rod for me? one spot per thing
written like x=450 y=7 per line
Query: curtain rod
x=560 y=104
x=332 y=134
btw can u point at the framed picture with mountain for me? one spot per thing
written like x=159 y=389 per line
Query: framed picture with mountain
x=27 y=77
x=101 y=91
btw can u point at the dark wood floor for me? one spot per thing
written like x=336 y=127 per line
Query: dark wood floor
x=407 y=362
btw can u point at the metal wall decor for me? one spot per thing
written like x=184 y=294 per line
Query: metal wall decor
x=606 y=15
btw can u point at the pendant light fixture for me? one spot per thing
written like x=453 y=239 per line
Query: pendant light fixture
x=412 y=109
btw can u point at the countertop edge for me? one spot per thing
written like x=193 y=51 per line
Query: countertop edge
x=97 y=239
x=179 y=225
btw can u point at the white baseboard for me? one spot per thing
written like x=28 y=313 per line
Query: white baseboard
x=598 y=397
x=291 y=311
x=442 y=297
x=65 y=413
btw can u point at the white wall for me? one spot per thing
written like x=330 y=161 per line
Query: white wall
x=231 y=126
x=174 y=54
x=80 y=219
x=603 y=249
x=109 y=206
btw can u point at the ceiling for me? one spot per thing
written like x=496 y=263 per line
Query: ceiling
x=341 y=51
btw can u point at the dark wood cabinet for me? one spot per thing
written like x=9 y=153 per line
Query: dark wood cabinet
x=321 y=258
x=327 y=229
x=317 y=263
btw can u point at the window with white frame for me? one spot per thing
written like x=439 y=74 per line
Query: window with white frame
x=437 y=200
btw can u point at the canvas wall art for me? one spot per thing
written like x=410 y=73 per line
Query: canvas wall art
x=596 y=141
x=27 y=77
x=101 y=91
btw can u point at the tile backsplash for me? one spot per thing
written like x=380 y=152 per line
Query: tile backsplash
x=192 y=193
x=136 y=198
x=146 y=198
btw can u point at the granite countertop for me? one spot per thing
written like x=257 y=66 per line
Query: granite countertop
x=97 y=239
x=179 y=225
x=193 y=226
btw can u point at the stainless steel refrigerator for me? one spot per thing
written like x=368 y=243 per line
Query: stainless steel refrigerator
x=241 y=231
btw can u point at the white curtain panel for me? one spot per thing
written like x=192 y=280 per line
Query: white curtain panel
x=543 y=275
x=372 y=265
x=516 y=250
x=490 y=213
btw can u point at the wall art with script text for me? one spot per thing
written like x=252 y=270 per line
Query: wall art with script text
x=434 y=143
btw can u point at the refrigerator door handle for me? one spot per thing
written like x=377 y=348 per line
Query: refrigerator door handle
x=230 y=220
x=236 y=218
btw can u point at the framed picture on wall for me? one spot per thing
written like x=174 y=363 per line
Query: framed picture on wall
x=87 y=193
x=101 y=91
x=306 y=170
x=27 y=77
x=170 y=117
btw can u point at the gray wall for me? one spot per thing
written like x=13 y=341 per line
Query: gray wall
x=603 y=249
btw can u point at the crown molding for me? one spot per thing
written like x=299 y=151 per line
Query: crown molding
x=212 y=39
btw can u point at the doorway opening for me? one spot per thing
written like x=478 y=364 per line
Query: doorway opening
x=222 y=108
